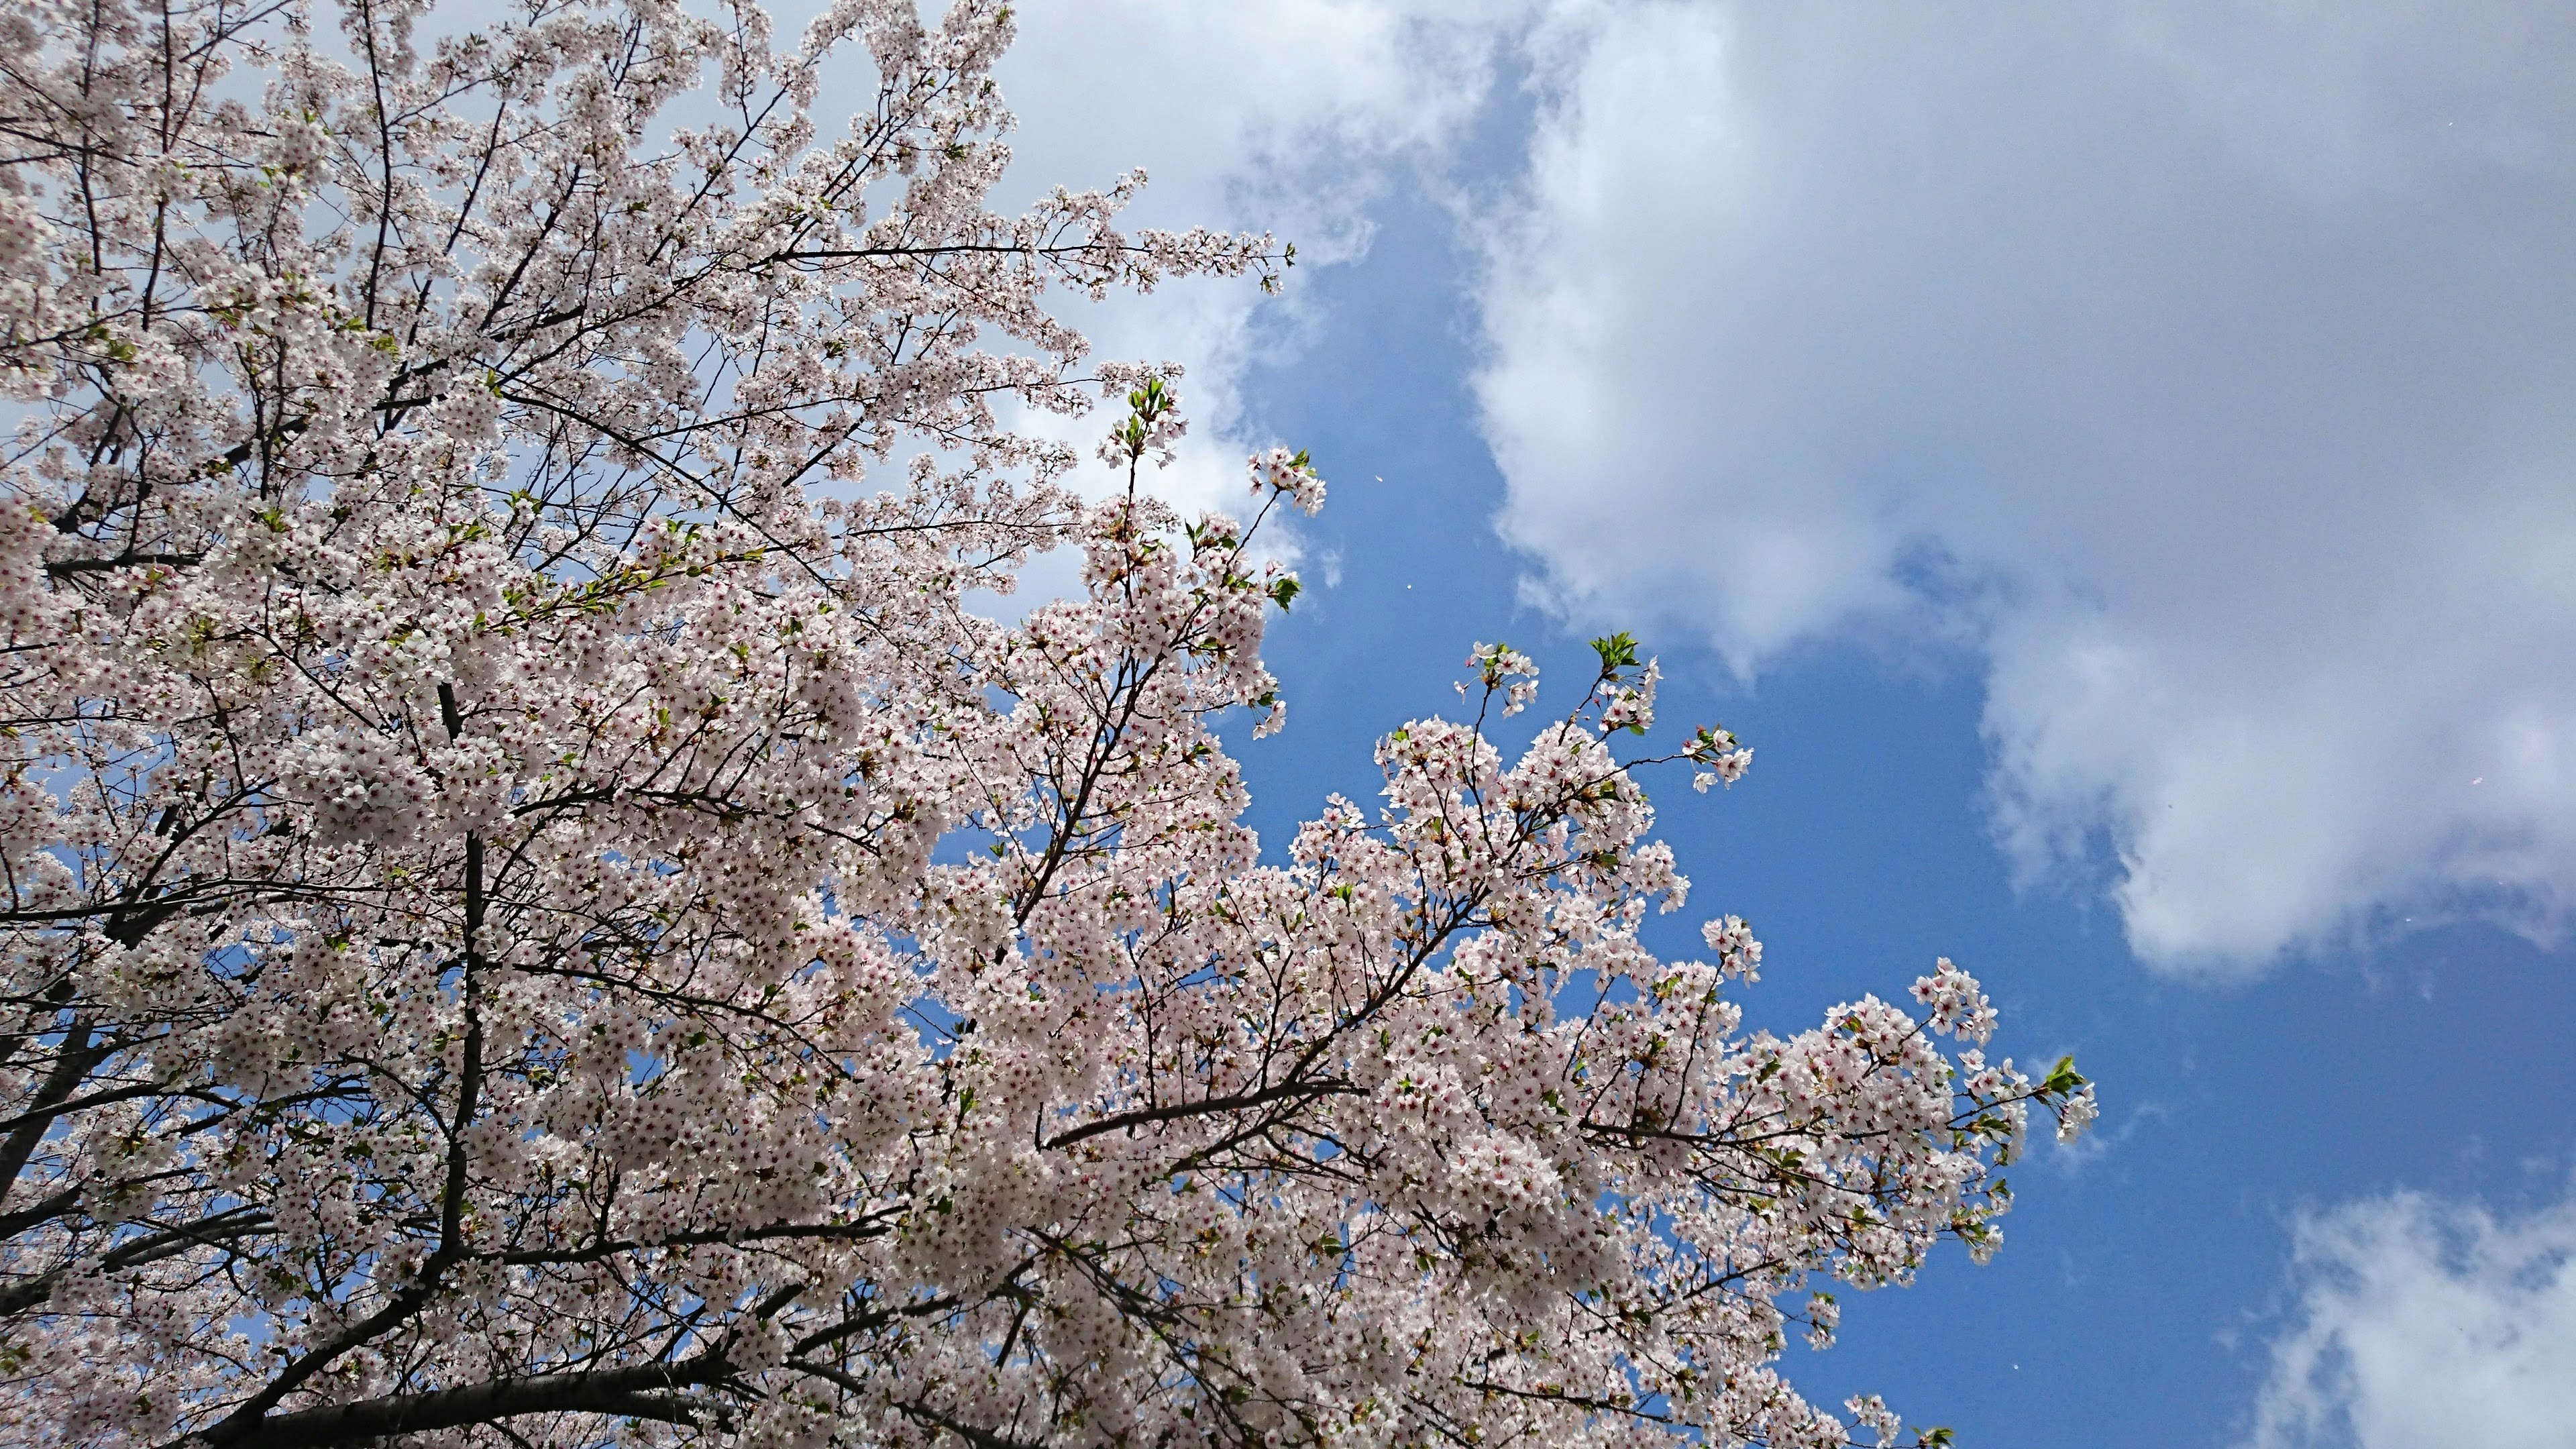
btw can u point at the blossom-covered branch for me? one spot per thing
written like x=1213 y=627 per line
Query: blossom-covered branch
x=535 y=912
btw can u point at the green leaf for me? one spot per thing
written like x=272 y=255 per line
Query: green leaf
x=1284 y=590
x=2064 y=1079
x=1618 y=651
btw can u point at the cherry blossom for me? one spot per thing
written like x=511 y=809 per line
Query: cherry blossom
x=536 y=912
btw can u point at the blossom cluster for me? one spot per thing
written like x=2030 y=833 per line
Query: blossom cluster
x=1289 y=475
x=533 y=909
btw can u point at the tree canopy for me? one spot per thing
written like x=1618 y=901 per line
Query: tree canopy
x=536 y=910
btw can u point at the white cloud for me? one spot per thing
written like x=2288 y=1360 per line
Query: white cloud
x=1287 y=117
x=2423 y=1326
x=2205 y=368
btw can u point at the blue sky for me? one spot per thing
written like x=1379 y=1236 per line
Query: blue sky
x=2116 y=466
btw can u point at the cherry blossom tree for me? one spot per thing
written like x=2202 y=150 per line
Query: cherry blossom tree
x=536 y=912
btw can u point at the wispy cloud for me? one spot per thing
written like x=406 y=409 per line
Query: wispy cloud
x=1290 y=117
x=2420 y=1324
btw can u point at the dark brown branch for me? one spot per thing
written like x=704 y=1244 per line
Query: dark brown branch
x=221 y=1228
x=645 y=1392
x=1207 y=1106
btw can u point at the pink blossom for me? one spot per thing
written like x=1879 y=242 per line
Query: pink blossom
x=533 y=903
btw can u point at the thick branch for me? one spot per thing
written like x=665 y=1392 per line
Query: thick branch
x=629 y=1393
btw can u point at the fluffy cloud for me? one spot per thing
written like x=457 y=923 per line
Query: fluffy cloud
x=2419 y=1325
x=2204 y=369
